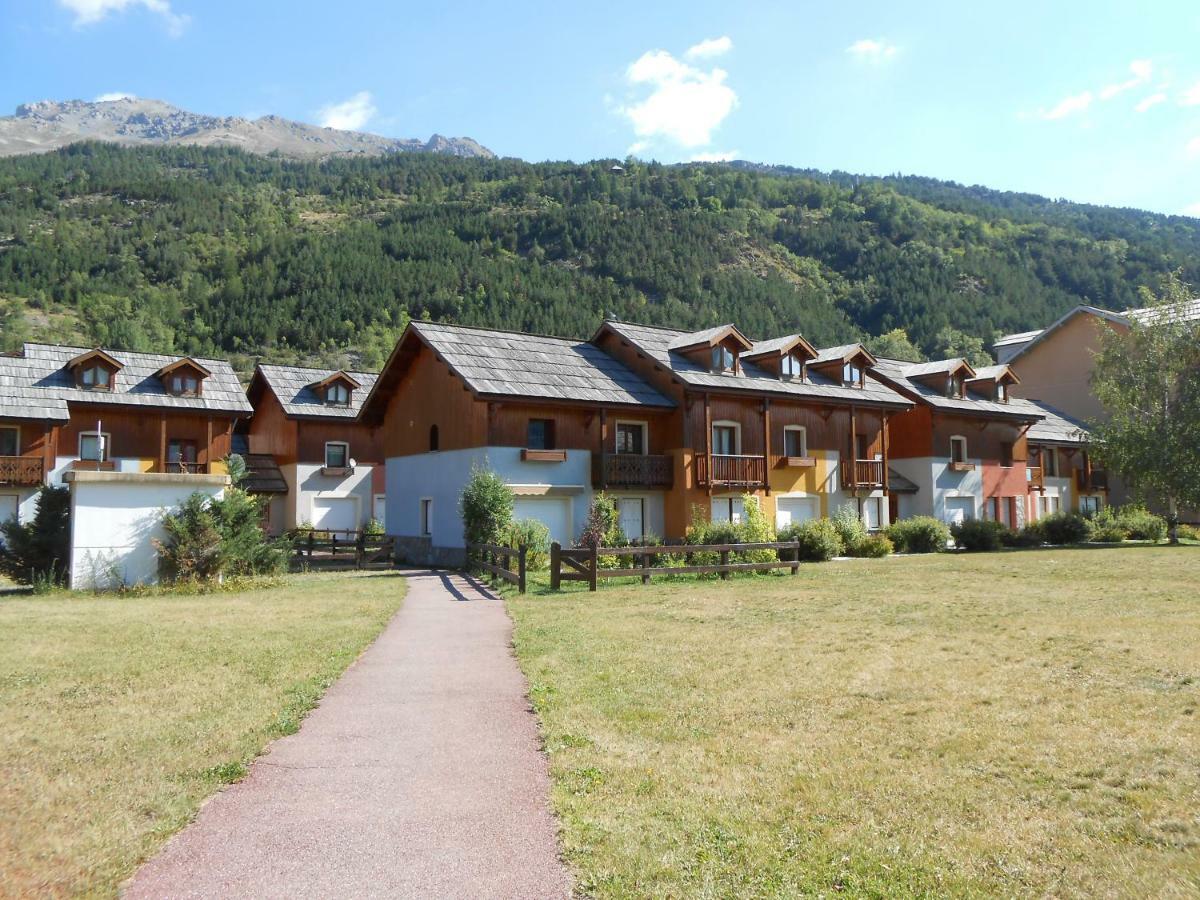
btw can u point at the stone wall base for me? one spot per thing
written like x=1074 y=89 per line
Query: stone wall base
x=419 y=551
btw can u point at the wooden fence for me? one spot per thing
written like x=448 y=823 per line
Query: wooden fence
x=342 y=549
x=497 y=560
x=583 y=563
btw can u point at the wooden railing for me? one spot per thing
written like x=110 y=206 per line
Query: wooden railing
x=1035 y=477
x=583 y=563
x=498 y=560
x=342 y=549
x=631 y=470
x=21 y=470
x=731 y=470
x=863 y=473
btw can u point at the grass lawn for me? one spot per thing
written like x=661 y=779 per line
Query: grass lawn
x=119 y=715
x=998 y=724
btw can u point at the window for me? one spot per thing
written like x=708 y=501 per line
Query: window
x=1089 y=506
x=955 y=386
x=723 y=359
x=337 y=394
x=181 y=456
x=862 y=447
x=958 y=449
x=426 y=516
x=852 y=374
x=94 y=446
x=1001 y=392
x=95 y=378
x=631 y=437
x=185 y=385
x=795 y=440
x=337 y=455
x=433 y=438
x=539 y=435
x=1006 y=455
x=1050 y=462
x=791 y=367
x=10 y=441
x=728 y=509
x=726 y=438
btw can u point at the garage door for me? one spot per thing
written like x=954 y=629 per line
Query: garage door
x=959 y=509
x=335 y=513
x=793 y=510
x=553 y=512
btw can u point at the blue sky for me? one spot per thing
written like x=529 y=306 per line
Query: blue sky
x=1094 y=101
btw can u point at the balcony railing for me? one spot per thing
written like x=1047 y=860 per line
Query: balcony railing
x=179 y=467
x=631 y=470
x=1091 y=480
x=21 y=470
x=863 y=473
x=731 y=471
x=1035 y=478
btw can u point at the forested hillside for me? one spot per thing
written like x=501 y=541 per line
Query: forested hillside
x=205 y=250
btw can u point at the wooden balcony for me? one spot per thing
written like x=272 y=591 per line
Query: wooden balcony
x=22 y=470
x=862 y=473
x=1089 y=480
x=1035 y=477
x=632 y=470
x=731 y=471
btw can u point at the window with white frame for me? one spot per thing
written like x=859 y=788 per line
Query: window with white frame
x=95 y=377
x=631 y=437
x=337 y=394
x=958 y=449
x=852 y=374
x=10 y=441
x=95 y=446
x=1001 y=392
x=426 y=516
x=729 y=509
x=791 y=367
x=795 y=440
x=726 y=438
x=337 y=455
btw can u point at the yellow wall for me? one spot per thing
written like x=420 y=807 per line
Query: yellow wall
x=819 y=480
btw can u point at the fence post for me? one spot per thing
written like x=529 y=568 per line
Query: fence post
x=333 y=545
x=521 y=569
x=555 y=566
x=724 y=562
x=310 y=545
x=360 y=550
x=595 y=555
x=646 y=568
x=796 y=558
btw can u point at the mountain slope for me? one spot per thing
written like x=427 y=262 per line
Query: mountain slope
x=39 y=127
x=211 y=250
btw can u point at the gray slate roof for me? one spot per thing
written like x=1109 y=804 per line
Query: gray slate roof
x=990 y=372
x=37 y=384
x=692 y=338
x=772 y=345
x=828 y=354
x=292 y=386
x=655 y=342
x=1056 y=427
x=904 y=375
x=510 y=364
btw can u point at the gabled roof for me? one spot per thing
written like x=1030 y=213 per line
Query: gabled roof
x=939 y=367
x=779 y=346
x=38 y=384
x=1147 y=315
x=186 y=361
x=95 y=353
x=689 y=340
x=995 y=373
x=340 y=375
x=1056 y=427
x=906 y=377
x=656 y=343
x=1036 y=337
x=841 y=354
x=295 y=389
x=263 y=475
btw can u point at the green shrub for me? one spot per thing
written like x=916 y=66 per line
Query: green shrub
x=978 y=535
x=208 y=538
x=374 y=528
x=535 y=537
x=873 y=546
x=1029 y=536
x=1064 y=528
x=920 y=534
x=192 y=550
x=38 y=552
x=1140 y=524
x=1107 y=532
x=819 y=539
x=755 y=528
x=486 y=507
x=1189 y=533
x=850 y=526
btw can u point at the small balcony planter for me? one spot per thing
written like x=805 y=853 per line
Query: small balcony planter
x=543 y=456
x=797 y=462
x=337 y=471
x=962 y=467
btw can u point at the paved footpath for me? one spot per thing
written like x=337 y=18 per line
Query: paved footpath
x=419 y=775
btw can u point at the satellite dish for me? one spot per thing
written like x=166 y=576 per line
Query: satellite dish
x=353 y=463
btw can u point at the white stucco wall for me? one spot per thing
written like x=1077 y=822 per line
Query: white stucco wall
x=25 y=499
x=936 y=483
x=306 y=483
x=115 y=519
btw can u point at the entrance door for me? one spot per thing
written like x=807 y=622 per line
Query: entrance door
x=794 y=510
x=631 y=516
x=959 y=509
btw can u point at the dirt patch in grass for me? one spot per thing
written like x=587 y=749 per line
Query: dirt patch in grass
x=120 y=715
x=1014 y=724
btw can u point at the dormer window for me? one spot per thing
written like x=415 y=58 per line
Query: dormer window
x=185 y=385
x=955 y=387
x=1001 y=392
x=336 y=390
x=95 y=377
x=852 y=374
x=723 y=359
x=184 y=377
x=791 y=367
x=337 y=394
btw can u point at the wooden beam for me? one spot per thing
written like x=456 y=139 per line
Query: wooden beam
x=603 y=438
x=208 y=460
x=162 y=442
x=708 y=441
x=766 y=413
x=854 y=448
x=884 y=438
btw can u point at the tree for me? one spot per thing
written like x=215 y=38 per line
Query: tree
x=1148 y=379
x=952 y=343
x=39 y=551
x=894 y=344
x=486 y=507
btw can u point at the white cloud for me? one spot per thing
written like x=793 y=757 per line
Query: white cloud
x=1140 y=70
x=685 y=103
x=709 y=48
x=349 y=115
x=89 y=12
x=1193 y=148
x=1192 y=210
x=1069 y=105
x=115 y=95
x=875 y=50
x=1191 y=97
x=716 y=156
x=1152 y=100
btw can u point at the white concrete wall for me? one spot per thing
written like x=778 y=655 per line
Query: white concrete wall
x=115 y=519
x=936 y=483
x=306 y=483
x=25 y=499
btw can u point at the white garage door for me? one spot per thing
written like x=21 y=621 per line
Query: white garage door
x=959 y=509
x=553 y=512
x=335 y=513
x=794 y=510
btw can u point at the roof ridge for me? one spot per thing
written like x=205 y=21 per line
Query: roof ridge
x=552 y=337
x=261 y=365
x=114 y=351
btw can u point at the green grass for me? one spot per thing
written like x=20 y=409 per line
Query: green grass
x=971 y=725
x=120 y=715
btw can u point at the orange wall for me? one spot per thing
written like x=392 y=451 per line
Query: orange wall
x=1057 y=370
